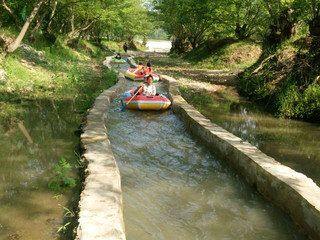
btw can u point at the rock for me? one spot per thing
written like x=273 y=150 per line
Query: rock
x=4 y=41
x=3 y=77
x=11 y=89
x=29 y=88
x=31 y=54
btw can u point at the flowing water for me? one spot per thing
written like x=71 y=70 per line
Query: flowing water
x=174 y=188
x=31 y=146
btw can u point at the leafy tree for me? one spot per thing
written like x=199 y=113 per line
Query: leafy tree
x=15 y=44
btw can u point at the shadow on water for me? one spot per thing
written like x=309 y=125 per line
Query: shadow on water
x=40 y=134
x=293 y=143
x=175 y=188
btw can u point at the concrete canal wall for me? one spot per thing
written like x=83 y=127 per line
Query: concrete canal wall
x=293 y=192
x=100 y=205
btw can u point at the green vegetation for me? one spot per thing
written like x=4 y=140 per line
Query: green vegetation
x=287 y=82
x=61 y=179
x=282 y=70
x=227 y=53
x=69 y=217
x=44 y=71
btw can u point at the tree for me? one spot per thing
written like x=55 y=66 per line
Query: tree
x=15 y=44
x=10 y=12
x=283 y=22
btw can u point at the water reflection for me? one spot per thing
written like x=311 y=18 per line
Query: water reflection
x=293 y=143
x=31 y=145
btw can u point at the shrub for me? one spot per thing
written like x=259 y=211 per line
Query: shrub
x=61 y=179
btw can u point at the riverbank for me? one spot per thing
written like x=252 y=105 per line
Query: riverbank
x=285 y=80
x=45 y=91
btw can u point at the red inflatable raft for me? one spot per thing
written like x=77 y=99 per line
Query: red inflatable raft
x=130 y=74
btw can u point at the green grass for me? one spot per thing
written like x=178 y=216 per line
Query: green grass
x=62 y=73
x=225 y=54
x=114 y=46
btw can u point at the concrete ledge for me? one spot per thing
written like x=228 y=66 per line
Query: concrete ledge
x=100 y=206
x=293 y=192
x=132 y=62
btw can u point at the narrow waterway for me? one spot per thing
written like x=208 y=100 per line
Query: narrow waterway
x=293 y=143
x=174 y=188
x=31 y=145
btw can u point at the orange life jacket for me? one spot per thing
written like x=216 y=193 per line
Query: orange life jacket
x=148 y=71
x=139 y=69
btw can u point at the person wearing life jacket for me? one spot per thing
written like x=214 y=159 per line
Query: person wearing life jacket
x=139 y=70
x=148 y=70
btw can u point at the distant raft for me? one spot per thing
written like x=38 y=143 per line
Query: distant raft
x=129 y=74
x=118 y=61
x=140 y=102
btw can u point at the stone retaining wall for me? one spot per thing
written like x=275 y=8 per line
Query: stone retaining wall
x=293 y=192
x=100 y=205
x=101 y=200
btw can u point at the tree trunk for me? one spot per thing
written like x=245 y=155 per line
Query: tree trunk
x=284 y=29
x=36 y=28
x=131 y=44
x=314 y=27
x=11 y=13
x=179 y=44
x=16 y=43
x=51 y=17
x=241 y=32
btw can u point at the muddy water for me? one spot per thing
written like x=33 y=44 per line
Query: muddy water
x=293 y=143
x=174 y=188
x=29 y=151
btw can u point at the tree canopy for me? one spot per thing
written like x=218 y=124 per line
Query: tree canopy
x=190 y=23
x=89 y=19
x=273 y=21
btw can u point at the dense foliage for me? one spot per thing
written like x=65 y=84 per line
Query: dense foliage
x=287 y=82
x=78 y=19
x=191 y=23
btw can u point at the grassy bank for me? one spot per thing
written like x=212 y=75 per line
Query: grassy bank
x=286 y=82
x=40 y=71
x=227 y=53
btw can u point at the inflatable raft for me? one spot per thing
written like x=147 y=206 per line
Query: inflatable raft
x=118 y=61
x=137 y=77
x=140 y=102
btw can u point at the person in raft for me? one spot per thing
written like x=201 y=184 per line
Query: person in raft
x=139 y=70
x=146 y=88
x=148 y=70
x=149 y=89
x=118 y=56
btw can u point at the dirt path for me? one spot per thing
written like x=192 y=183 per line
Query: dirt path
x=189 y=77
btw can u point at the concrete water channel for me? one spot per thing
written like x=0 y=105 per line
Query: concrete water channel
x=176 y=183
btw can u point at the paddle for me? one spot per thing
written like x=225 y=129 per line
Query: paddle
x=124 y=106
